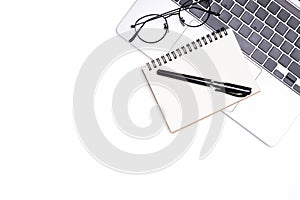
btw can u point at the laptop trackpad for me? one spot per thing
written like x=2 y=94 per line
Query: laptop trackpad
x=269 y=114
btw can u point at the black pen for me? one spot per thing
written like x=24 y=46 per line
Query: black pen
x=228 y=88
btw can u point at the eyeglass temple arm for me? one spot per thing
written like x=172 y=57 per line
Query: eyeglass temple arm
x=153 y=18
x=136 y=33
x=175 y=11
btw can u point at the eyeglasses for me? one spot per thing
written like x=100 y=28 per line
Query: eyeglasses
x=159 y=21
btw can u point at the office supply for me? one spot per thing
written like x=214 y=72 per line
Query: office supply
x=227 y=88
x=160 y=20
x=219 y=58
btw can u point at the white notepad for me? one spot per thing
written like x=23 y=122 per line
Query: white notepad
x=184 y=81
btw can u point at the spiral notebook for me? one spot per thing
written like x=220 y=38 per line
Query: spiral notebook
x=199 y=78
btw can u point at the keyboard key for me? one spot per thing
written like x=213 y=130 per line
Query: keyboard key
x=277 y=40
x=247 y=17
x=235 y=23
x=257 y=25
x=273 y=8
x=296 y=54
x=251 y=6
x=286 y=47
x=291 y=36
x=261 y=14
x=227 y=4
x=259 y=56
x=196 y=11
x=283 y=15
x=271 y=21
x=225 y=16
x=237 y=10
x=270 y=64
x=298 y=30
x=295 y=69
x=297 y=43
x=245 y=31
x=264 y=3
x=275 y=53
x=214 y=22
x=284 y=60
x=278 y=74
x=293 y=22
x=255 y=38
x=244 y=44
x=242 y=2
x=265 y=45
x=185 y=2
x=281 y=28
x=216 y=8
x=267 y=32
x=297 y=88
x=290 y=79
x=205 y=3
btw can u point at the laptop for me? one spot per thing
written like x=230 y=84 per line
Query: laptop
x=268 y=32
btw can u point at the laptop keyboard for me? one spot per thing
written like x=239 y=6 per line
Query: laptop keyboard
x=266 y=32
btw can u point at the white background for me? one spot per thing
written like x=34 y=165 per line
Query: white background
x=42 y=46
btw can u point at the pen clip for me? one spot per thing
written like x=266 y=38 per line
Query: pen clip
x=233 y=92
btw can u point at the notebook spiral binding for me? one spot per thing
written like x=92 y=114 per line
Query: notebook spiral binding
x=194 y=45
